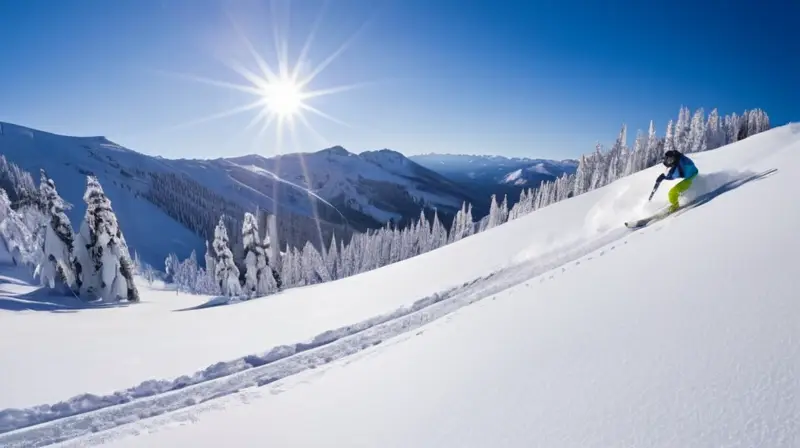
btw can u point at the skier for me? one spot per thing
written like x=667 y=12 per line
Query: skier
x=679 y=166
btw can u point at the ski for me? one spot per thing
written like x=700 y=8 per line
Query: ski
x=644 y=221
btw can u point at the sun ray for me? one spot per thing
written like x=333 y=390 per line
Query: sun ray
x=309 y=186
x=313 y=131
x=256 y=80
x=281 y=47
x=265 y=68
x=322 y=114
x=237 y=110
x=307 y=45
x=332 y=90
x=224 y=84
x=322 y=66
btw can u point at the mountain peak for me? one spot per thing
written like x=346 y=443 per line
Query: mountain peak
x=336 y=151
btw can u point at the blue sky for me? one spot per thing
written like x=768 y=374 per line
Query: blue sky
x=530 y=78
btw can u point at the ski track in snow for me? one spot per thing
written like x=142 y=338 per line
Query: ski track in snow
x=88 y=414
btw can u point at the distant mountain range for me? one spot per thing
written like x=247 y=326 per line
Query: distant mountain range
x=485 y=175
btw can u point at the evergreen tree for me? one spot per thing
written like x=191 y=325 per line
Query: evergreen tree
x=714 y=137
x=15 y=235
x=252 y=247
x=669 y=140
x=226 y=273
x=103 y=264
x=697 y=133
x=57 y=266
x=681 y=131
x=313 y=266
x=653 y=150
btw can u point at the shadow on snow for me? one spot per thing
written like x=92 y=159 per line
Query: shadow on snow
x=44 y=299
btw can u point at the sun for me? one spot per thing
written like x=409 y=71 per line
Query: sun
x=283 y=97
x=281 y=94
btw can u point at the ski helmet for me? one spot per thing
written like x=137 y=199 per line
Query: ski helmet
x=670 y=158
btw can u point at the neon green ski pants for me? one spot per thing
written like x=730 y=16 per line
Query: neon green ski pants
x=675 y=192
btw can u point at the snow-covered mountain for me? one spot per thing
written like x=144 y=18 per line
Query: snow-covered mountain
x=124 y=174
x=532 y=175
x=563 y=329
x=379 y=185
x=312 y=194
x=496 y=169
x=490 y=174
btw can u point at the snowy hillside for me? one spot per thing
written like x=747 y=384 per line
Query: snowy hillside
x=125 y=178
x=185 y=198
x=581 y=333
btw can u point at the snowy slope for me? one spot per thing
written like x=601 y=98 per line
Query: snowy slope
x=123 y=174
x=593 y=335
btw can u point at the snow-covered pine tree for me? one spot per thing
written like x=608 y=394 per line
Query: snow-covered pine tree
x=637 y=158
x=271 y=265
x=313 y=266
x=106 y=269
x=57 y=265
x=714 y=137
x=267 y=283
x=171 y=264
x=259 y=279
x=297 y=267
x=397 y=243
x=619 y=153
x=15 y=235
x=731 y=128
x=252 y=247
x=493 y=218
x=386 y=245
x=653 y=150
x=598 y=169
x=423 y=233
x=503 y=211
x=681 y=130
x=332 y=259
x=17 y=183
x=669 y=140
x=226 y=273
x=438 y=236
x=469 y=223
x=287 y=272
x=697 y=133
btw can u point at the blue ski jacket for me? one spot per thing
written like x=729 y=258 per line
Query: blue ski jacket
x=685 y=168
